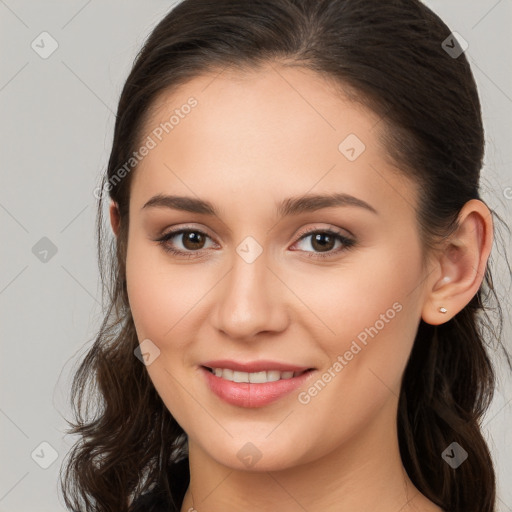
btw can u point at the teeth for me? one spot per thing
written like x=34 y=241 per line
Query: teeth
x=273 y=375
x=240 y=377
x=255 y=377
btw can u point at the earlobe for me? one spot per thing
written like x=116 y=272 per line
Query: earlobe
x=115 y=218
x=462 y=264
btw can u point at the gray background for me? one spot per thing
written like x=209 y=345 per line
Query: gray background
x=56 y=128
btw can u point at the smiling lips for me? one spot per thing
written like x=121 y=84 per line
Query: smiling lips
x=253 y=384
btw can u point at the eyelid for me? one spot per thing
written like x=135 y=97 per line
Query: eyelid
x=332 y=228
x=171 y=230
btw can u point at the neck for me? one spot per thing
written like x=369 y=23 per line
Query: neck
x=365 y=473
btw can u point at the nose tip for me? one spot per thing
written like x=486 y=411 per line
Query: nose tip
x=247 y=303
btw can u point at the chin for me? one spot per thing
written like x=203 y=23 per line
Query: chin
x=258 y=455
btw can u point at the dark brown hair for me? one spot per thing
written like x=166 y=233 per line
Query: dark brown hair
x=389 y=56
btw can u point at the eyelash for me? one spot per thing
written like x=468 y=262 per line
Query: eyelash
x=347 y=242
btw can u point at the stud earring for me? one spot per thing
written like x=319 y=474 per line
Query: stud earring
x=443 y=310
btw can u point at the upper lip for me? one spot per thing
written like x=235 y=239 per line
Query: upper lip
x=254 y=366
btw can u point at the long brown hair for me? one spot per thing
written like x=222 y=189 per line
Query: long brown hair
x=390 y=56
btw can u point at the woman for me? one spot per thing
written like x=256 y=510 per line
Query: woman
x=298 y=269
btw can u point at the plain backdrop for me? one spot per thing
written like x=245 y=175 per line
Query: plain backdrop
x=57 y=116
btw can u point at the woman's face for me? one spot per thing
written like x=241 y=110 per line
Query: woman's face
x=266 y=282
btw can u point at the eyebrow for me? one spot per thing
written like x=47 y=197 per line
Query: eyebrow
x=287 y=207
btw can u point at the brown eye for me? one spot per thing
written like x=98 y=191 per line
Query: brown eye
x=323 y=242
x=183 y=242
x=193 y=240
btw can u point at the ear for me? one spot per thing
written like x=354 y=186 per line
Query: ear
x=115 y=218
x=460 y=264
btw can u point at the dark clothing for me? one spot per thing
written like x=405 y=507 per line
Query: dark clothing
x=157 y=500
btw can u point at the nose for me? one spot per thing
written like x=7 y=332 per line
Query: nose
x=250 y=300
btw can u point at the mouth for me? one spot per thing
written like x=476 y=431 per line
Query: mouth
x=256 y=388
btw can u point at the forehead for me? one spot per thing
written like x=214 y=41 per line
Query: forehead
x=273 y=103
x=261 y=132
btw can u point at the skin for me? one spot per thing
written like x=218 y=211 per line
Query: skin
x=254 y=139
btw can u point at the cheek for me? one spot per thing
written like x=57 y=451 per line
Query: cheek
x=368 y=319
x=365 y=291
x=372 y=315
x=160 y=295
x=162 y=300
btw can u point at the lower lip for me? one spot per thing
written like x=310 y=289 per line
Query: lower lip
x=248 y=394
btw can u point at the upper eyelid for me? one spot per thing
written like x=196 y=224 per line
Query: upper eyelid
x=180 y=230
x=332 y=228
